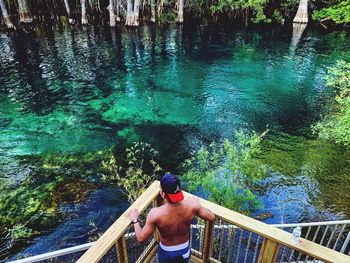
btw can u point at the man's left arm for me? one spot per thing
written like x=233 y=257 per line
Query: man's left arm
x=142 y=234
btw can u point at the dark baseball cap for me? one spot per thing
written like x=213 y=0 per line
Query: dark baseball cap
x=172 y=188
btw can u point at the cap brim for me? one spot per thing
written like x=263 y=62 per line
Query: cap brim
x=178 y=197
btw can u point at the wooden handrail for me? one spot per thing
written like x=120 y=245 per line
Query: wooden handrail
x=273 y=237
x=272 y=233
x=111 y=236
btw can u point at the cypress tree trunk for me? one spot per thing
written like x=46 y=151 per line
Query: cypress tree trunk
x=180 y=11
x=84 y=20
x=298 y=30
x=118 y=3
x=136 y=13
x=112 y=16
x=5 y=14
x=69 y=14
x=153 y=11
x=24 y=12
x=160 y=7
x=129 y=14
x=302 y=16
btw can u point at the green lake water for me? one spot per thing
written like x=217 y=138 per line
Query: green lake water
x=68 y=94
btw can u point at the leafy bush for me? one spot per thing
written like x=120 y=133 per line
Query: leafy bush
x=225 y=172
x=139 y=172
x=338 y=12
x=18 y=232
x=335 y=124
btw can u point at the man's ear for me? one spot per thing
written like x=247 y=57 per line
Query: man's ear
x=162 y=194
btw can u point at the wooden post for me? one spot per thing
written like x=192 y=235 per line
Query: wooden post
x=122 y=253
x=158 y=201
x=209 y=225
x=269 y=251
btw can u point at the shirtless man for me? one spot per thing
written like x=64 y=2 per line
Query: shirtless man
x=173 y=220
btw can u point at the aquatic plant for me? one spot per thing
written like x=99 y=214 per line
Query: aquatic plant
x=19 y=231
x=335 y=122
x=139 y=171
x=225 y=172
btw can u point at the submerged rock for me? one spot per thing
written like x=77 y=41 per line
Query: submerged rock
x=263 y=216
x=72 y=191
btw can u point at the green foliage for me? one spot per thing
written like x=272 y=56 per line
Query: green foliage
x=134 y=177
x=256 y=7
x=226 y=171
x=335 y=124
x=338 y=12
x=18 y=232
x=277 y=16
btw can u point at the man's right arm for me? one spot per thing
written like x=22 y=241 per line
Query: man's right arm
x=203 y=212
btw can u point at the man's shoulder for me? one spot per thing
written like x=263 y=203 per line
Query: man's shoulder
x=155 y=212
x=192 y=202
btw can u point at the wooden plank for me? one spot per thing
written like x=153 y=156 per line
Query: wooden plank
x=110 y=237
x=207 y=240
x=195 y=259
x=151 y=253
x=124 y=251
x=273 y=233
x=269 y=251
x=119 y=251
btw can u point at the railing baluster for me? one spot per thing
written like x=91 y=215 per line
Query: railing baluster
x=122 y=253
x=256 y=248
x=200 y=233
x=247 y=249
x=222 y=234
x=324 y=235
x=308 y=232
x=346 y=243
x=209 y=226
x=231 y=242
x=239 y=245
x=269 y=251
x=283 y=253
x=313 y=240
x=331 y=237
x=339 y=236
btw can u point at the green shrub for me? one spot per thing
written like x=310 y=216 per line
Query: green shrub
x=139 y=172
x=335 y=123
x=338 y=12
x=225 y=172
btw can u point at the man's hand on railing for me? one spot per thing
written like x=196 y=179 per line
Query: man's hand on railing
x=134 y=215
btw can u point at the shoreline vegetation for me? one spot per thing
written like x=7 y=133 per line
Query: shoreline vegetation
x=33 y=204
x=132 y=13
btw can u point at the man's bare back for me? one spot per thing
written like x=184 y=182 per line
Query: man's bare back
x=173 y=220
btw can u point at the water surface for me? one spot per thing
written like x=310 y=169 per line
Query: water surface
x=72 y=91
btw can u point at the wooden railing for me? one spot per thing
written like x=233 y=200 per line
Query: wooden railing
x=271 y=238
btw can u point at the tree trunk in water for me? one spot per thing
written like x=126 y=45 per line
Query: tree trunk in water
x=136 y=13
x=24 y=13
x=153 y=11
x=118 y=10
x=129 y=14
x=302 y=16
x=180 y=11
x=160 y=7
x=5 y=15
x=84 y=20
x=70 y=18
x=298 y=30
x=112 y=16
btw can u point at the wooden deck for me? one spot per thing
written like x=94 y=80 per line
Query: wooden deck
x=272 y=238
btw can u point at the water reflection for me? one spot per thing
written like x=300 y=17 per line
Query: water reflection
x=71 y=90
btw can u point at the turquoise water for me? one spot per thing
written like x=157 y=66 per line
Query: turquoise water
x=74 y=92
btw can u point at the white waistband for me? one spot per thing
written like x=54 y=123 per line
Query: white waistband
x=176 y=247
